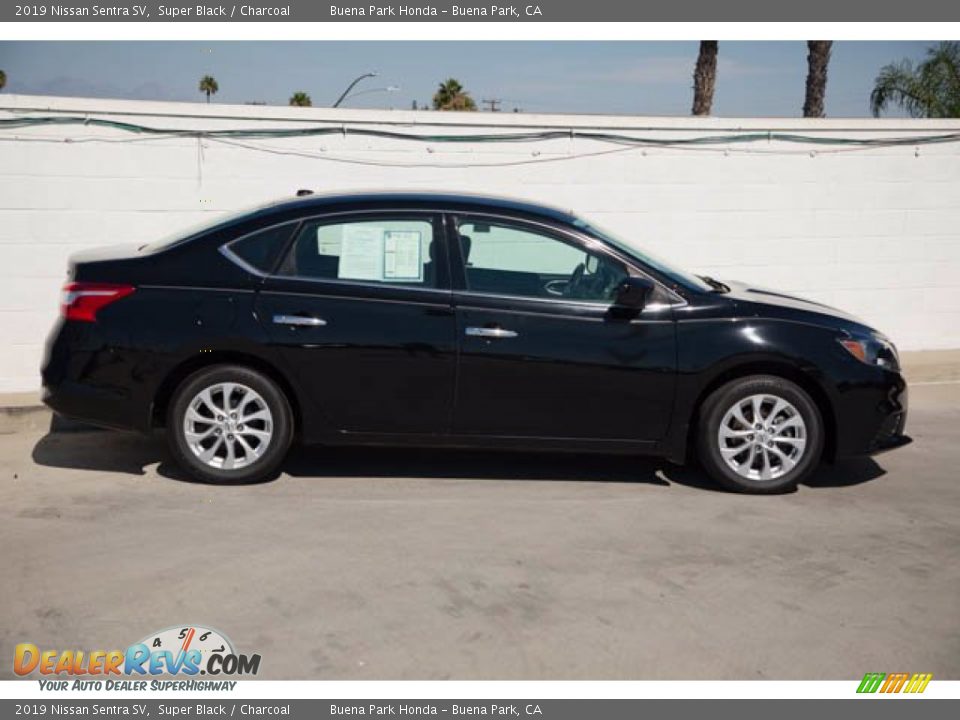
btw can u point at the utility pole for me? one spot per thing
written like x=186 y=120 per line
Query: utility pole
x=493 y=104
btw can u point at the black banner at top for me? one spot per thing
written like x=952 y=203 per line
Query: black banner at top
x=468 y=11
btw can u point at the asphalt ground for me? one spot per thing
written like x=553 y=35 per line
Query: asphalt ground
x=393 y=564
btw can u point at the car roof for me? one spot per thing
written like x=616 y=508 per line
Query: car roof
x=439 y=200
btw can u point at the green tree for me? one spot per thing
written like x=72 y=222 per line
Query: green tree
x=451 y=96
x=931 y=89
x=209 y=86
x=705 y=77
x=3 y=79
x=818 y=57
x=300 y=99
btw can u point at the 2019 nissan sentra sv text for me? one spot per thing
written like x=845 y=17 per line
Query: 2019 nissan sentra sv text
x=466 y=321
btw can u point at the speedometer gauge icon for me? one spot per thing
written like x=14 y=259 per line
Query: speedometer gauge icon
x=180 y=639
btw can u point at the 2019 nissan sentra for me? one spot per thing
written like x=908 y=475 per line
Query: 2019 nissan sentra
x=444 y=320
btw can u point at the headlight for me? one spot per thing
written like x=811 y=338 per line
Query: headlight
x=873 y=350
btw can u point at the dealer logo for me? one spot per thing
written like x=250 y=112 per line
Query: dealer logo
x=179 y=650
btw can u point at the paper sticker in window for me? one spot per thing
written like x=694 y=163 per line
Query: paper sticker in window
x=328 y=239
x=361 y=253
x=401 y=255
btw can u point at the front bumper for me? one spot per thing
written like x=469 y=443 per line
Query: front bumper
x=890 y=434
x=872 y=415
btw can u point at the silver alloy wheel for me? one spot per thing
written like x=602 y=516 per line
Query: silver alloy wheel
x=762 y=437
x=228 y=426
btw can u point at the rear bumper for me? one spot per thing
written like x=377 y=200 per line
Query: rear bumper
x=84 y=380
x=92 y=405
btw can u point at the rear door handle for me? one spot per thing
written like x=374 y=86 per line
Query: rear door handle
x=299 y=320
x=490 y=332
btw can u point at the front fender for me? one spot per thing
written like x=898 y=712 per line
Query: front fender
x=711 y=352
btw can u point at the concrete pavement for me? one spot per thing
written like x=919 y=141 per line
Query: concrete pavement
x=384 y=564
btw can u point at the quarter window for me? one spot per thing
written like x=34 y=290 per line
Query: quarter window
x=261 y=249
x=507 y=259
x=390 y=251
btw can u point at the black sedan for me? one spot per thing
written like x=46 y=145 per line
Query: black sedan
x=442 y=320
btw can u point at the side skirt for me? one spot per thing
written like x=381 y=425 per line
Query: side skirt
x=496 y=442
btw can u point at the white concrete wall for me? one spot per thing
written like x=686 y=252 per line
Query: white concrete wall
x=875 y=231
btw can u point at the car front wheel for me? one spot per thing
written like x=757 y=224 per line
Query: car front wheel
x=760 y=434
x=229 y=424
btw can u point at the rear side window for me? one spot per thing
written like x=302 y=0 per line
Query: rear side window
x=383 y=250
x=261 y=249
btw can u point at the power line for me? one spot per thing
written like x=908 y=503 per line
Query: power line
x=733 y=138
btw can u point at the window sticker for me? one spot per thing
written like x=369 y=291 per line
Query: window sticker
x=402 y=255
x=361 y=253
x=328 y=240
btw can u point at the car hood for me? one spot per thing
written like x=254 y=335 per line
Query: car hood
x=782 y=304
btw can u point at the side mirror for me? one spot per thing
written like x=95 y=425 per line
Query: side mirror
x=633 y=293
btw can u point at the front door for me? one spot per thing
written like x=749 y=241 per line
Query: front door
x=361 y=310
x=542 y=355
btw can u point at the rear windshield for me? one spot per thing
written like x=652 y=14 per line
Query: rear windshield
x=207 y=224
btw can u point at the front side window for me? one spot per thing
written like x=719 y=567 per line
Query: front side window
x=502 y=258
x=390 y=251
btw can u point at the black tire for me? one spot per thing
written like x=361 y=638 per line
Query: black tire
x=263 y=467
x=723 y=399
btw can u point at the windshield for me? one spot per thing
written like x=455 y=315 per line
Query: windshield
x=203 y=226
x=681 y=277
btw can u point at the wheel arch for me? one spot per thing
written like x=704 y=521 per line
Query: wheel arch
x=779 y=368
x=199 y=361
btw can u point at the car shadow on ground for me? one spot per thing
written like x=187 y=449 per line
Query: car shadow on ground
x=108 y=451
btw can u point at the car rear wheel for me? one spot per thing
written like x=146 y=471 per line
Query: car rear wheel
x=229 y=424
x=760 y=434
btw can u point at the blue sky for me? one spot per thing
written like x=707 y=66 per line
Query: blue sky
x=646 y=78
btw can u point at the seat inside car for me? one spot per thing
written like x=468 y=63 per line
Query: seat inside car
x=310 y=263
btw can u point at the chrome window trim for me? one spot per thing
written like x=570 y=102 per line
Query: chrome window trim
x=545 y=312
x=357 y=283
x=352 y=298
x=652 y=307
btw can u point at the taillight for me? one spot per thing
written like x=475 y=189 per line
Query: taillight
x=81 y=300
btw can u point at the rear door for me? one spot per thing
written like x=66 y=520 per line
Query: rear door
x=360 y=307
x=542 y=352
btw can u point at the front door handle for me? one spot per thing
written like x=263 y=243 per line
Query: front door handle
x=299 y=320
x=490 y=332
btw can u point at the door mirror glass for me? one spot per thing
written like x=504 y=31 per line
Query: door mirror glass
x=634 y=292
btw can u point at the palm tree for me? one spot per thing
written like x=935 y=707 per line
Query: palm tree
x=3 y=79
x=818 y=57
x=932 y=89
x=209 y=86
x=705 y=77
x=300 y=99
x=451 y=96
